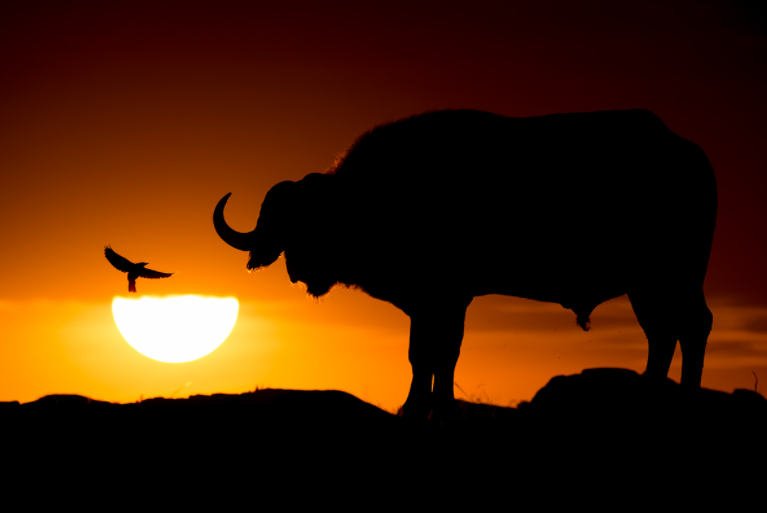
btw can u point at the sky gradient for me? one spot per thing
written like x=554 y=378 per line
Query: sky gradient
x=124 y=123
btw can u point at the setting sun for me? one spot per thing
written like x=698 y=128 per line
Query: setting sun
x=175 y=329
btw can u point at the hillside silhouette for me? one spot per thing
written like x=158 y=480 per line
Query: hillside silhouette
x=592 y=415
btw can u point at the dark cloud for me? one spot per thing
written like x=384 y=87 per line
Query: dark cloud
x=757 y=324
x=735 y=348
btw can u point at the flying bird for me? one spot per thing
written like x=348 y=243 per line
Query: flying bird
x=134 y=270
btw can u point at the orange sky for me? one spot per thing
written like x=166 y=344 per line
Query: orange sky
x=125 y=122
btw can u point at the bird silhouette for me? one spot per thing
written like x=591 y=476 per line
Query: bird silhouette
x=134 y=270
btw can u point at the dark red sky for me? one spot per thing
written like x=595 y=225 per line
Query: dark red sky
x=125 y=122
x=292 y=83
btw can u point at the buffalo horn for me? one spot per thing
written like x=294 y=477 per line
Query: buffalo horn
x=238 y=240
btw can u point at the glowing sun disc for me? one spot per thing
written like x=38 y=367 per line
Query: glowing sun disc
x=175 y=329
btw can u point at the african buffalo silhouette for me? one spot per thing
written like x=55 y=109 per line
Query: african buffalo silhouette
x=431 y=211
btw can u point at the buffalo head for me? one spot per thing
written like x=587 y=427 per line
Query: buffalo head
x=267 y=241
x=289 y=222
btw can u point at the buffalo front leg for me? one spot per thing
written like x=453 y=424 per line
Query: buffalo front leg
x=436 y=333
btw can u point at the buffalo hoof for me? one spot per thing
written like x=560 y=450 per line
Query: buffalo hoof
x=444 y=412
x=436 y=413
x=416 y=409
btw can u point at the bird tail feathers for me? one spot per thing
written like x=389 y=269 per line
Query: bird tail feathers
x=131 y=285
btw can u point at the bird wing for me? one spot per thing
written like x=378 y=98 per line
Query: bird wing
x=119 y=263
x=150 y=273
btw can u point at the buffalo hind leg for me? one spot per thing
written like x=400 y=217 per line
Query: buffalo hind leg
x=656 y=317
x=436 y=333
x=660 y=353
x=667 y=317
x=693 y=337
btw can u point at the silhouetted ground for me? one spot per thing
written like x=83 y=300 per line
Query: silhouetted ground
x=604 y=425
